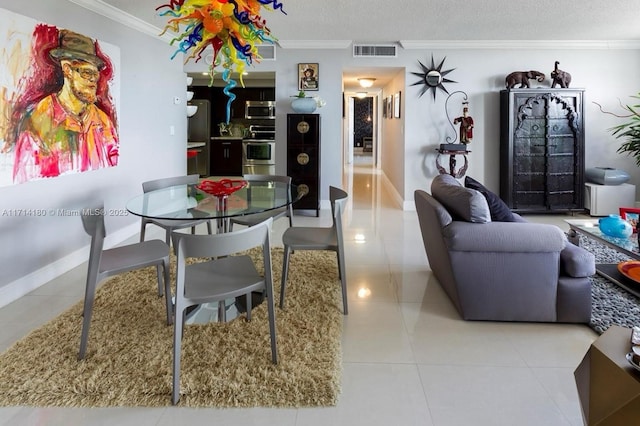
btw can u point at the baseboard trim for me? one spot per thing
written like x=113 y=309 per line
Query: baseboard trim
x=26 y=284
x=395 y=195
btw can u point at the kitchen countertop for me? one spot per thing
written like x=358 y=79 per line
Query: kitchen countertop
x=191 y=145
x=226 y=138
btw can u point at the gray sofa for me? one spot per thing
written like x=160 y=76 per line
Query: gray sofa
x=501 y=271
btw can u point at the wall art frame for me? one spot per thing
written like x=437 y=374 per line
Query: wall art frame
x=309 y=77
x=631 y=215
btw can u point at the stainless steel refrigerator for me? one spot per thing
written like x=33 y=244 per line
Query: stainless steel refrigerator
x=199 y=130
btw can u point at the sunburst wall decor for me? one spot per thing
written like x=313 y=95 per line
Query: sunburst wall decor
x=433 y=78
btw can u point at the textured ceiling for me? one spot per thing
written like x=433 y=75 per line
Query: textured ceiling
x=386 y=21
x=333 y=23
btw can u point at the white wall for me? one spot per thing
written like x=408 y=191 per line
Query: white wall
x=392 y=145
x=36 y=249
x=408 y=144
x=606 y=75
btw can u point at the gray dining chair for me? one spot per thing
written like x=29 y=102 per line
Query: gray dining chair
x=319 y=238
x=170 y=225
x=104 y=263
x=222 y=277
x=255 y=218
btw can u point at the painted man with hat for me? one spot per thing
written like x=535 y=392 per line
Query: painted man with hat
x=66 y=132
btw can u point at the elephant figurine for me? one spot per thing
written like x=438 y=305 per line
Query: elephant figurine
x=522 y=78
x=560 y=77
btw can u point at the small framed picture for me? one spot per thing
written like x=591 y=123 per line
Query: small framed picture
x=389 y=106
x=384 y=108
x=308 y=76
x=396 y=105
x=631 y=215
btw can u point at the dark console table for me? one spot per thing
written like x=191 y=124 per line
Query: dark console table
x=453 y=150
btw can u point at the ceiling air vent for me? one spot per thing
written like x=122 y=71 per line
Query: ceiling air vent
x=374 y=51
x=267 y=51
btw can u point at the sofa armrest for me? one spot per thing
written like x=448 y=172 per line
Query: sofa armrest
x=577 y=262
x=516 y=237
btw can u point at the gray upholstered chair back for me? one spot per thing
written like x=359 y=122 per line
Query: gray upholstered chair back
x=432 y=217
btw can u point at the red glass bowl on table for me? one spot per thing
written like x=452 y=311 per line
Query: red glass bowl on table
x=222 y=187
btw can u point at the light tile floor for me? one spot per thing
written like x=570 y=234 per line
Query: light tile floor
x=408 y=358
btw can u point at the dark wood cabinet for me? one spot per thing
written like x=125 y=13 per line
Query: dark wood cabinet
x=219 y=101
x=542 y=150
x=303 y=158
x=225 y=157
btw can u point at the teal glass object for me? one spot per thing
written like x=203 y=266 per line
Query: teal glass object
x=614 y=226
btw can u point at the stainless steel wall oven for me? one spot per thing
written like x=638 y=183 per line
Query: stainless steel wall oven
x=259 y=151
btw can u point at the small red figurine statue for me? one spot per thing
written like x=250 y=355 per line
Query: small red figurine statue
x=466 y=124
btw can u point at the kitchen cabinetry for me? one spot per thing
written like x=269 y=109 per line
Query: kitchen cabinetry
x=542 y=150
x=219 y=101
x=303 y=158
x=225 y=156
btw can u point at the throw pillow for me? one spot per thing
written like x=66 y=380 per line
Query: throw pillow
x=462 y=203
x=500 y=212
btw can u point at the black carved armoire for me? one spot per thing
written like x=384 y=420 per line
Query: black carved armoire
x=542 y=150
x=303 y=158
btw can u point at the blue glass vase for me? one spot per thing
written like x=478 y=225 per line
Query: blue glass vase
x=614 y=226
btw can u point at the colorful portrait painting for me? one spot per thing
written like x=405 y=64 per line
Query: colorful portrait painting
x=58 y=112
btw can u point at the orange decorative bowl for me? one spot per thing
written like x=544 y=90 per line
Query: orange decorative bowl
x=221 y=188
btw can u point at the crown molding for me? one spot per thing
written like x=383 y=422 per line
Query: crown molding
x=124 y=18
x=115 y=14
x=314 y=44
x=520 y=44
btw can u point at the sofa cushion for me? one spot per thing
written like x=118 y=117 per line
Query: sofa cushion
x=463 y=203
x=500 y=212
x=576 y=261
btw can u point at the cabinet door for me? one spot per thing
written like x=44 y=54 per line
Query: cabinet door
x=542 y=150
x=303 y=129
x=303 y=158
x=226 y=158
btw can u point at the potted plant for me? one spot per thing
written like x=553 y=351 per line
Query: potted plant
x=628 y=131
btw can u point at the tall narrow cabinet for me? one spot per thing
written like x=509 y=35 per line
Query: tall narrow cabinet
x=303 y=158
x=542 y=150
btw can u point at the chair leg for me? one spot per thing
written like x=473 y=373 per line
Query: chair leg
x=177 y=343
x=167 y=236
x=89 y=297
x=143 y=228
x=285 y=272
x=222 y=311
x=160 y=280
x=248 y=302
x=343 y=281
x=167 y=291
x=272 y=322
x=209 y=227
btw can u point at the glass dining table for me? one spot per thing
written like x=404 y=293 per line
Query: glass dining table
x=182 y=202
x=187 y=202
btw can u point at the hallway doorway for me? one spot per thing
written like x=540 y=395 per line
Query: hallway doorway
x=361 y=132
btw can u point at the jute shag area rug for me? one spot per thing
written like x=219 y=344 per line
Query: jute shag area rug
x=129 y=359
